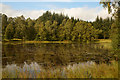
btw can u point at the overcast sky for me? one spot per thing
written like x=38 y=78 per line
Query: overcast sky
x=83 y=10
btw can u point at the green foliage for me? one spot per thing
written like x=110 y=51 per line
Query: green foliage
x=55 y=27
x=104 y=25
x=66 y=30
x=30 y=32
x=49 y=16
x=61 y=31
x=4 y=24
x=20 y=26
x=9 y=32
x=115 y=30
x=84 y=31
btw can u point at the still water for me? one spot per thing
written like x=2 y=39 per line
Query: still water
x=55 y=54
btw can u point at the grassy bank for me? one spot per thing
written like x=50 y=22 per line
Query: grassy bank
x=102 y=40
x=90 y=70
x=22 y=41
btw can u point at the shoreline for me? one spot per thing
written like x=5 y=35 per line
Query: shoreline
x=22 y=41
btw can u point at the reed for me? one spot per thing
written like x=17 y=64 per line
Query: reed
x=90 y=70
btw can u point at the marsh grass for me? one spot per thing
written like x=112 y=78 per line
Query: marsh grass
x=16 y=42
x=87 y=70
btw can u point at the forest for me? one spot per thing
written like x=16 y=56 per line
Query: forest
x=37 y=48
x=55 y=27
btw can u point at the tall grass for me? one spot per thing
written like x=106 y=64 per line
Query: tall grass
x=86 y=70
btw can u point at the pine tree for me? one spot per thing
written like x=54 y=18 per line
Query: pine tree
x=4 y=24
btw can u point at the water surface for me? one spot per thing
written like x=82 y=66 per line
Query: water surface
x=50 y=55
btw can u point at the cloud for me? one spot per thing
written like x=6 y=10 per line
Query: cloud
x=83 y=13
x=38 y=1
x=53 y=0
x=56 y=0
x=14 y=13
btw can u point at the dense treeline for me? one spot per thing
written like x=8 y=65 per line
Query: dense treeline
x=55 y=27
x=105 y=26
